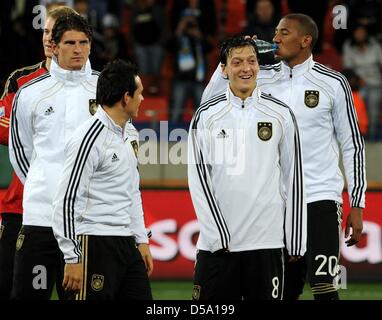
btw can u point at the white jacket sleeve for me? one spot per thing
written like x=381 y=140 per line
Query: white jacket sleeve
x=216 y=86
x=351 y=143
x=81 y=161
x=21 y=135
x=295 y=224
x=212 y=224
x=137 y=223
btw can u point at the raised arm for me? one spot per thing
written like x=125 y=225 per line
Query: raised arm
x=216 y=86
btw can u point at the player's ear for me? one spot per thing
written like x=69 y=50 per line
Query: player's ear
x=126 y=97
x=306 y=41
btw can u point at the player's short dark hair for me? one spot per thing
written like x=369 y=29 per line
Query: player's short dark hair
x=307 y=25
x=233 y=43
x=71 y=21
x=117 y=78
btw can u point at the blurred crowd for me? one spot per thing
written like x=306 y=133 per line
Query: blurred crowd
x=175 y=43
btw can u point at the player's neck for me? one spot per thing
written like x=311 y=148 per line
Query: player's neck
x=301 y=58
x=242 y=94
x=116 y=115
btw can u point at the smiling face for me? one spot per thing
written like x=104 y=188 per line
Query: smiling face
x=241 y=69
x=73 y=50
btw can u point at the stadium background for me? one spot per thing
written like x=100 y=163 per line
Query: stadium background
x=168 y=208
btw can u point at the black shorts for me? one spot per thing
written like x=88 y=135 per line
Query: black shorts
x=248 y=275
x=113 y=269
x=38 y=264
x=320 y=263
x=10 y=227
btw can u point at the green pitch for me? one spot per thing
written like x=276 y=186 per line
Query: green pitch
x=181 y=290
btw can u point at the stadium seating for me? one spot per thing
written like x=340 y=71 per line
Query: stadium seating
x=153 y=109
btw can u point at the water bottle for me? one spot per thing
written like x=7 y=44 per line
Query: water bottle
x=264 y=46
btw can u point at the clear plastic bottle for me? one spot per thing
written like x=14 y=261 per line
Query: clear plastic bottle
x=264 y=46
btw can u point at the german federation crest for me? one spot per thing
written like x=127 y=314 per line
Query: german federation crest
x=97 y=282
x=264 y=130
x=196 y=292
x=93 y=106
x=312 y=98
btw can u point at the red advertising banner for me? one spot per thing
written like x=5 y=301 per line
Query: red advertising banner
x=170 y=216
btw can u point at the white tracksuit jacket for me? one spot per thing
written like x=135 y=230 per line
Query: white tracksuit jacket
x=46 y=112
x=98 y=192
x=322 y=102
x=245 y=174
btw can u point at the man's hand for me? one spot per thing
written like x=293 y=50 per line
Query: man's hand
x=246 y=37
x=144 y=249
x=354 y=220
x=73 y=277
x=294 y=258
